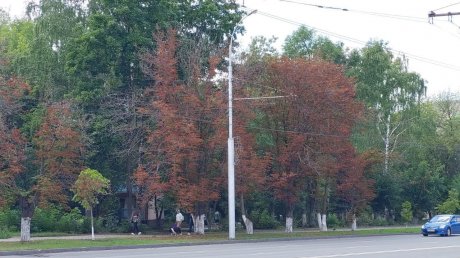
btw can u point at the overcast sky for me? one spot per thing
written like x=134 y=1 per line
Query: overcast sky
x=433 y=49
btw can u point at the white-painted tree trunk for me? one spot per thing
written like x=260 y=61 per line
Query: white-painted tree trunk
x=289 y=224
x=304 y=220
x=353 y=223
x=249 y=225
x=25 y=229
x=199 y=224
x=323 y=222
x=318 y=218
x=92 y=225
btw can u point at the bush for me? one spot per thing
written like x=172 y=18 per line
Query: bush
x=10 y=220
x=5 y=233
x=333 y=221
x=45 y=220
x=71 y=222
x=263 y=220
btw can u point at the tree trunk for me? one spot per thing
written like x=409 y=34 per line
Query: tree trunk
x=249 y=225
x=199 y=223
x=323 y=223
x=304 y=220
x=92 y=224
x=289 y=225
x=320 y=225
x=353 y=223
x=387 y=145
x=247 y=222
x=27 y=211
x=289 y=221
x=25 y=229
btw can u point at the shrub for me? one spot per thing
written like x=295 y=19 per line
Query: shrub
x=10 y=219
x=333 y=221
x=45 y=220
x=71 y=222
x=263 y=220
x=5 y=233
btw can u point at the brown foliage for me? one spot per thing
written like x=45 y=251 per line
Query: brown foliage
x=311 y=126
x=58 y=152
x=182 y=150
x=12 y=144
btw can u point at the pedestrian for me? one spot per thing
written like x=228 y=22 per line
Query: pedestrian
x=179 y=218
x=175 y=230
x=190 y=224
x=134 y=222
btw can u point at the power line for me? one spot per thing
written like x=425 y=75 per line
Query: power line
x=447 y=6
x=384 y=15
x=360 y=42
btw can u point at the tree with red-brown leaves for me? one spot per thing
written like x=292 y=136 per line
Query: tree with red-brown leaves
x=183 y=154
x=354 y=187
x=250 y=166
x=57 y=150
x=310 y=127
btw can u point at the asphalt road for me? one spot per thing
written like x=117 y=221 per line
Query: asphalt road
x=406 y=246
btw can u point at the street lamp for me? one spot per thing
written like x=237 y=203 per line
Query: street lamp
x=231 y=143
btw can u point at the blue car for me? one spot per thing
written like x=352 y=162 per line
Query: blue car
x=443 y=225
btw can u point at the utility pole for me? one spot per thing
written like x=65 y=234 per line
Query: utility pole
x=449 y=15
x=230 y=142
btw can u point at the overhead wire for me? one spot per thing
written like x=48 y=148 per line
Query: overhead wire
x=360 y=42
x=385 y=15
x=446 y=6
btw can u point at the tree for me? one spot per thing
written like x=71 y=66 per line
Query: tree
x=389 y=90
x=304 y=43
x=406 y=212
x=89 y=185
x=310 y=127
x=185 y=147
x=451 y=205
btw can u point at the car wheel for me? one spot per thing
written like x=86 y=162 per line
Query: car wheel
x=425 y=234
x=448 y=232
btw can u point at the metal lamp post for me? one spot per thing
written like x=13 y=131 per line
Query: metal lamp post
x=231 y=143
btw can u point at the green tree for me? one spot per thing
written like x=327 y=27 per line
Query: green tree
x=304 y=43
x=451 y=205
x=89 y=185
x=406 y=212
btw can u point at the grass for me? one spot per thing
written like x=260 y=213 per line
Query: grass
x=208 y=237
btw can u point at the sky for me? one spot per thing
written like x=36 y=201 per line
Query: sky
x=433 y=49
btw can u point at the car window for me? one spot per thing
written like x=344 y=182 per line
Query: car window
x=441 y=218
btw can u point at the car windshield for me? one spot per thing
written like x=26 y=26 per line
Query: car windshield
x=440 y=219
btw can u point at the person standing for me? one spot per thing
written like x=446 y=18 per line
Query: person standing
x=190 y=224
x=179 y=218
x=135 y=220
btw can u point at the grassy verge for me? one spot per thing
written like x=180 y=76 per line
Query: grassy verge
x=166 y=239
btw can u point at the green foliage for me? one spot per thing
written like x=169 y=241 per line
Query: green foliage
x=10 y=219
x=333 y=221
x=89 y=185
x=451 y=205
x=71 y=222
x=406 y=212
x=304 y=43
x=263 y=220
x=45 y=219
x=5 y=233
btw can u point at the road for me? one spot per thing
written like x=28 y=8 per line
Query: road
x=407 y=246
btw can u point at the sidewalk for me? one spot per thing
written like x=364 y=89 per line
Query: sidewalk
x=83 y=237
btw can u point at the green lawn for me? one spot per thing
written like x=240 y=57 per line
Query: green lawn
x=208 y=237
